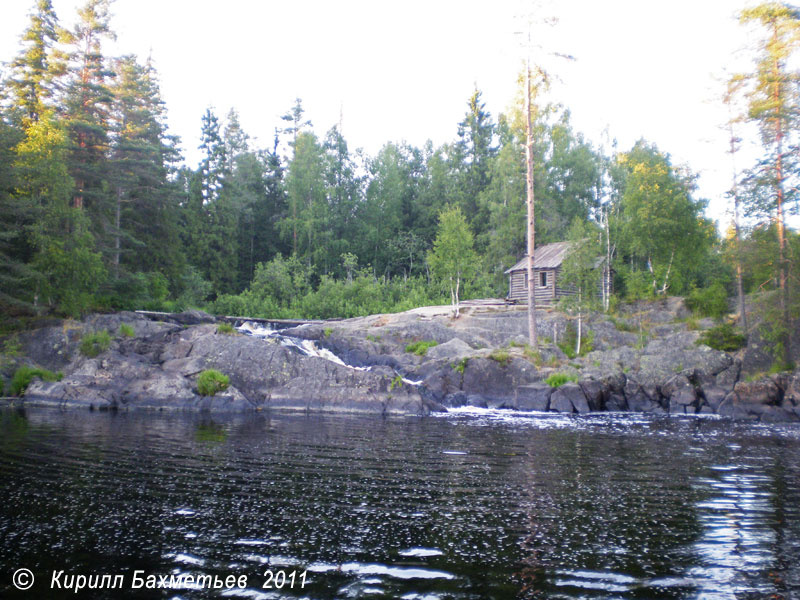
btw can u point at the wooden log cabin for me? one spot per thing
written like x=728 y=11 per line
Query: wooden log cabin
x=547 y=261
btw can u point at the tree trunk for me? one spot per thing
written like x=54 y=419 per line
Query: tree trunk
x=779 y=177
x=666 y=277
x=117 y=225
x=458 y=283
x=578 y=344
x=530 y=204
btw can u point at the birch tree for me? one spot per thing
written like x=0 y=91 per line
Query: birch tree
x=453 y=259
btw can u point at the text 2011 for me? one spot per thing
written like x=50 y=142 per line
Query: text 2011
x=277 y=580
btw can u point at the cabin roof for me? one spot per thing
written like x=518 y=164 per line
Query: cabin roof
x=549 y=256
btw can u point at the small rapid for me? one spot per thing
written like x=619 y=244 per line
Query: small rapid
x=306 y=347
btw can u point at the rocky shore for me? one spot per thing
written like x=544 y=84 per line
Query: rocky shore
x=644 y=360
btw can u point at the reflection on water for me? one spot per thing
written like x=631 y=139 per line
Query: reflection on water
x=477 y=505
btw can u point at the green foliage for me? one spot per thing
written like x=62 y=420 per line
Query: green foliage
x=24 y=375
x=461 y=365
x=623 y=325
x=661 y=228
x=500 y=356
x=723 y=337
x=558 y=379
x=570 y=338
x=709 y=302
x=226 y=329
x=211 y=381
x=638 y=285
x=126 y=330
x=327 y=332
x=453 y=259
x=397 y=382
x=92 y=344
x=332 y=298
x=528 y=352
x=194 y=290
x=11 y=351
x=420 y=348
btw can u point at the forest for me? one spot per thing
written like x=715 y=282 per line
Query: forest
x=99 y=211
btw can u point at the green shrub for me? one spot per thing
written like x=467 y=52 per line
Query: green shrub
x=397 y=382
x=24 y=375
x=126 y=330
x=723 y=337
x=570 y=339
x=93 y=344
x=211 y=381
x=709 y=302
x=226 y=329
x=327 y=332
x=558 y=379
x=420 y=348
x=460 y=365
x=500 y=356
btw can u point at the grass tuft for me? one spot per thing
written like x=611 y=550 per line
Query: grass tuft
x=92 y=344
x=420 y=348
x=211 y=381
x=558 y=379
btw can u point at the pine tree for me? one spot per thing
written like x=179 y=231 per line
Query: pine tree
x=774 y=105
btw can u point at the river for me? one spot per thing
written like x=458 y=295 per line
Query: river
x=476 y=505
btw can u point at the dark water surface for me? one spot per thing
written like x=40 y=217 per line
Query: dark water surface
x=467 y=506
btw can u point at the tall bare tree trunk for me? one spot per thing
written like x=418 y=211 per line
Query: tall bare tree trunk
x=779 y=178
x=530 y=202
x=736 y=226
x=117 y=225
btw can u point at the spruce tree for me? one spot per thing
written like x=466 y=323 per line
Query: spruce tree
x=36 y=66
x=87 y=105
x=145 y=229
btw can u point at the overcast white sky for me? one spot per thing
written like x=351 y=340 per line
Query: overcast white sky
x=404 y=70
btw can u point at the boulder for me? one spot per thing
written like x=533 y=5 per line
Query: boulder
x=454 y=350
x=681 y=394
x=534 y=397
x=569 y=398
x=638 y=399
x=616 y=403
x=792 y=389
x=714 y=396
x=761 y=391
x=496 y=382
x=595 y=392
